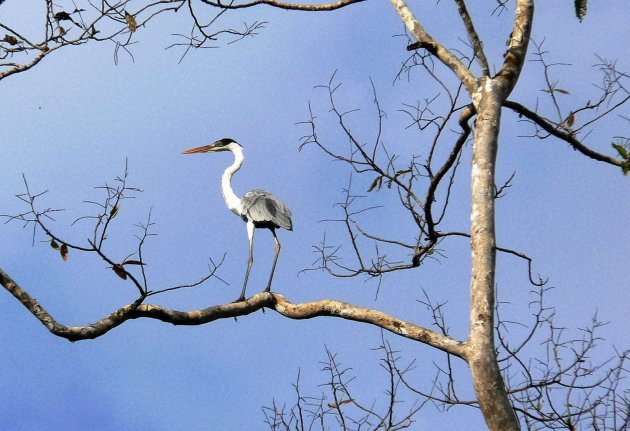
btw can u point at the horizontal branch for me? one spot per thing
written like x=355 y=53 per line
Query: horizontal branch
x=272 y=301
x=284 y=5
x=347 y=311
x=553 y=130
x=17 y=68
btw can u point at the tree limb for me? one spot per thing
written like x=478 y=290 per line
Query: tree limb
x=474 y=37
x=284 y=5
x=434 y=47
x=517 y=48
x=466 y=115
x=566 y=136
x=272 y=301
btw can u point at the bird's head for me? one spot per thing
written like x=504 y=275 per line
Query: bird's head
x=225 y=144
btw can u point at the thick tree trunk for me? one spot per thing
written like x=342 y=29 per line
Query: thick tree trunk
x=482 y=359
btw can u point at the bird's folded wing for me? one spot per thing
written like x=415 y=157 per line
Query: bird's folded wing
x=262 y=207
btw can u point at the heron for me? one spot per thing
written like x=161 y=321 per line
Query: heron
x=258 y=208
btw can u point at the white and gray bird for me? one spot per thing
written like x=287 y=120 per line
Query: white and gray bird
x=258 y=208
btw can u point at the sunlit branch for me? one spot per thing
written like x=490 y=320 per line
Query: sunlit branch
x=517 y=49
x=425 y=41
x=284 y=5
x=272 y=301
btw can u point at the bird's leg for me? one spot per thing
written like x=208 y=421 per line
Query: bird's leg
x=250 y=261
x=275 y=260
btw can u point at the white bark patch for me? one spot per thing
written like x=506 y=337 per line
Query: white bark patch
x=476 y=97
x=489 y=85
x=476 y=172
x=405 y=14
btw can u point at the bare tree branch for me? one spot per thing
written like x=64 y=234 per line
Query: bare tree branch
x=284 y=5
x=473 y=36
x=424 y=40
x=561 y=134
x=515 y=55
x=273 y=301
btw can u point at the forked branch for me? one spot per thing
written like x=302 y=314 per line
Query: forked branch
x=426 y=41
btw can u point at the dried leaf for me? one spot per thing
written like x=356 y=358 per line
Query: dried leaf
x=120 y=271
x=561 y=90
x=131 y=22
x=11 y=40
x=62 y=16
x=133 y=262
x=623 y=152
x=570 y=120
x=402 y=172
x=54 y=244
x=114 y=212
x=378 y=181
x=580 y=9
x=64 y=252
x=334 y=406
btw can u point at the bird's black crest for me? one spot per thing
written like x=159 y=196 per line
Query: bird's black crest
x=225 y=141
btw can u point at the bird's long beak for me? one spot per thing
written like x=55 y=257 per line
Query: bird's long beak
x=204 y=149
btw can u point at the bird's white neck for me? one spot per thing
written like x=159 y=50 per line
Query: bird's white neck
x=233 y=202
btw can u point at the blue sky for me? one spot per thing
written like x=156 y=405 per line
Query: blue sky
x=71 y=122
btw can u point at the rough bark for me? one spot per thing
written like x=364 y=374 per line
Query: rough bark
x=482 y=359
x=488 y=94
x=268 y=300
x=426 y=41
x=489 y=98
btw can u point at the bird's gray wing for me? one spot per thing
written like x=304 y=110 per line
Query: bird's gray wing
x=263 y=208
